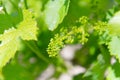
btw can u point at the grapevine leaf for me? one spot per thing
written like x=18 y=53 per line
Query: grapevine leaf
x=113 y=72
x=96 y=71
x=3 y=20
x=114 y=23
x=20 y=69
x=8 y=46
x=111 y=75
x=35 y=5
x=55 y=11
x=27 y=30
x=114 y=47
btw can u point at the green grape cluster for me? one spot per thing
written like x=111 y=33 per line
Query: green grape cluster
x=101 y=27
x=55 y=44
x=68 y=36
x=83 y=20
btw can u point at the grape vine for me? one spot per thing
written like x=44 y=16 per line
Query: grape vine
x=77 y=39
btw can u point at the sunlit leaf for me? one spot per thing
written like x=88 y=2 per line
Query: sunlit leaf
x=9 y=46
x=97 y=70
x=55 y=12
x=114 y=47
x=26 y=30
x=111 y=75
x=113 y=72
x=114 y=23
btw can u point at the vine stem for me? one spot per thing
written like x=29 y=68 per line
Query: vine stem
x=25 y=3
x=35 y=49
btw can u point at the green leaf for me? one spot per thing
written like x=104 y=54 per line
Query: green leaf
x=9 y=46
x=5 y=23
x=114 y=23
x=114 y=47
x=27 y=30
x=55 y=11
x=111 y=75
x=113 y=72
x=35 y=5
x=1 y=76
x=23 y=67
x=96 y=71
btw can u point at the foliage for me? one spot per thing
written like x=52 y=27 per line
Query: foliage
x=34 y=32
